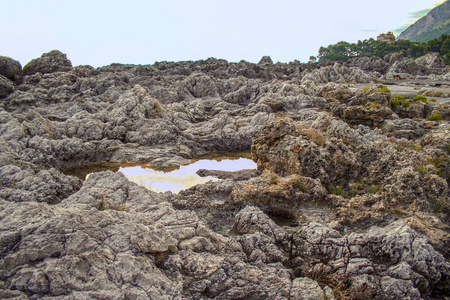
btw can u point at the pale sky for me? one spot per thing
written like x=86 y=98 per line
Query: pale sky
x=99 y=33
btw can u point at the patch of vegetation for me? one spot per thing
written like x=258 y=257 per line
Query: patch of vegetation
x=411 y=145
x=315 y=136
x=399 y=98
x=366 y=88
x=337 y=190
x=433 y=100
x=421 y=169
x=440 y=167
x=374 y=189
x=343 y=51
x=439 y=205
x=102 y=205
x=373 y=104
x=121 y=207
x=274 y=179
x=433 y=33
x=341 y=287
x=398 y=212
x=435 y=93
x=156 y=105
x=434 y=117
x=405 y=103
x=300 y=185
x=420 y=98
x=382 y=89
x=280 y=116
x=394 y=102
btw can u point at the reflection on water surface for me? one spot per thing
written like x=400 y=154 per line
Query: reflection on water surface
x=171 y=179
x=185 y=176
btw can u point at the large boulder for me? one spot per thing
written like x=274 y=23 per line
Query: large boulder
x=9 y=68
x=53 y=61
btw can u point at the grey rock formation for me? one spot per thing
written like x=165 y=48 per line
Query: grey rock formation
x=350 y=198
x=431 y=61
x=369 y=64
x=338 y=73
x=404 y=128
x=10 y=68
x=407 y=65
x=6 y=86
x=265 y=60
x=53 y=61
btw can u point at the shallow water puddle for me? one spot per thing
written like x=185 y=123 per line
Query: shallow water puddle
x=169 y=179
x=185 y=177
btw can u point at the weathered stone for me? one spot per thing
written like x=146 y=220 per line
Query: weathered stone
x=6 y=86
x=10 y=68
x=53 y=61
x=306 y=289
x=265 y=60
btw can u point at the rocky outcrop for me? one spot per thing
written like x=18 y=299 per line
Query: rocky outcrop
x=369 y=64
x=431 y=61
x=350 y=199
x=53 y=61
x=338 y=73
x=10 y=68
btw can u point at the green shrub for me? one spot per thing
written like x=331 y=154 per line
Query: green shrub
x=394 y=102
x=274 y=179
x=373 y=104
x=434 y=117
x=405 y=103
x=439 y=205
x=420 y=98
x=366 y=88
x=433 y=99
x=399 y=98
x=300 y=185
x=374 y=189
x=382 y=88
x=337 y=191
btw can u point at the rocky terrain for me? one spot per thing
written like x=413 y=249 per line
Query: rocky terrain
x=350 y=199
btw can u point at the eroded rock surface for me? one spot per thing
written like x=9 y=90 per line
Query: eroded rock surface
x=350 y=199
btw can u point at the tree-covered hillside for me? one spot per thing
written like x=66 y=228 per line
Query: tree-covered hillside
x=343 y=51
x=431 y=26
x=433 y=33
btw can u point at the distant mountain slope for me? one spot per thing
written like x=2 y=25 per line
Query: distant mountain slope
x=431 y=26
